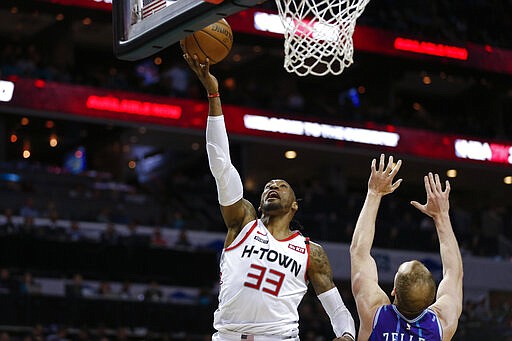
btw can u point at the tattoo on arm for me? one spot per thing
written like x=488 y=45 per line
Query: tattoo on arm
x=320 y=272
x=238 y=220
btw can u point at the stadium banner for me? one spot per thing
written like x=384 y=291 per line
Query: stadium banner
x=66 y=101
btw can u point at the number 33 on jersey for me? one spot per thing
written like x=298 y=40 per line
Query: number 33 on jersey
x=263 y=281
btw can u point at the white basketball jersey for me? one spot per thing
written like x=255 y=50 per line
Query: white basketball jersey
x=262 y=281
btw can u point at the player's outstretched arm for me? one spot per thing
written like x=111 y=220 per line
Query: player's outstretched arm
x=236 y=211
x=448 y=305
x=320 y=274
x=365 y=287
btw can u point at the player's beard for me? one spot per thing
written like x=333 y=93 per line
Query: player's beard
x=270 y=206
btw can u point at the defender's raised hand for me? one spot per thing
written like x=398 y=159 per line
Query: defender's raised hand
x=437 y=200
x=381 y=178
x=202 y=71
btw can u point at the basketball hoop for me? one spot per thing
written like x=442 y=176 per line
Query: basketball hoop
x=318 y=34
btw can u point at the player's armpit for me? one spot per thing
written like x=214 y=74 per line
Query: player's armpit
x=236 y=216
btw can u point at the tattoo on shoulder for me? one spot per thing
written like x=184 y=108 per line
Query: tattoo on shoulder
x=318 y=260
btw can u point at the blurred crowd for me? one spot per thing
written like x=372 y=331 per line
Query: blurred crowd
x=14 y=282
x=328 y=213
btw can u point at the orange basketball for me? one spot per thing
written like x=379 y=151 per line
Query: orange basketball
x=213 y=42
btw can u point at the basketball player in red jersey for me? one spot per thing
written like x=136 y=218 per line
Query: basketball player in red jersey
x=265 y=266
x=417 y=313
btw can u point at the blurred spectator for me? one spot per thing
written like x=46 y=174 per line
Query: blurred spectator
x=51 y=208
x=120 y=215
x=205 y=296
x=4 y=336
x=110 y=235
x=83 y=335
x=105 y=290
x=153 y=293
x=38 y=332
x=492 y=227
x=28 y=209
x=147 y=73
x=54 y=229
x=74 y=232
x=183 y=240
x=60 y=335
x=177 y=79
x=177 y=221
x=157 y=239
x=122 y=334
x=8 y=226
x=126 y=290
x=104 y=216
x=29 y=228
x=75 y=289
x=8 y=285
x=79 y=191
x=29 y=286
x=134 y=239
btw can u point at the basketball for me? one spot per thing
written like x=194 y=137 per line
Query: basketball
x=213 y=42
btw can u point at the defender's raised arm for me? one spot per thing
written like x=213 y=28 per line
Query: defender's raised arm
x=365 y=287
x=448 y=305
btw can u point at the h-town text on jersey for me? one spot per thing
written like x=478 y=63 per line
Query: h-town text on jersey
x=273 y=256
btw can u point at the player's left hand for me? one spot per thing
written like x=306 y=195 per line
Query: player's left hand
x=344 y=338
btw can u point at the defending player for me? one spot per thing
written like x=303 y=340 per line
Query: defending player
x=413 y=316
x=265 y=266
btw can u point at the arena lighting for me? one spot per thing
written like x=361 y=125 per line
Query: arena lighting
x=268 y=22
x=53 y=140
x=319 y=130
x=451 y=173
x=290 y=154
x=130 y=106
x=433 y=49
x=6 y=91
x=39 y=83
x=483 y=151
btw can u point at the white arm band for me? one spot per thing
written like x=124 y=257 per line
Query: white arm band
x=341 y=319
x=229 y=184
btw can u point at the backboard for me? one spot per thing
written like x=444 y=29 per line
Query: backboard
x=145 y=27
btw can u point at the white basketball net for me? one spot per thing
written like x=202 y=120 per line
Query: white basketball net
x=318 y=34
